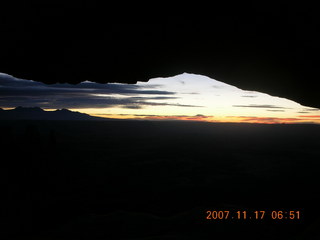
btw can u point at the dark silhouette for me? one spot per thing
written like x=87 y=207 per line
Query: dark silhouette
x=36 y=113
x=144 y=179
x=32 y=135
x=271 y=48
x=52 y=138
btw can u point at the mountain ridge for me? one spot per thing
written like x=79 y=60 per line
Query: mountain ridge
x=37 y=113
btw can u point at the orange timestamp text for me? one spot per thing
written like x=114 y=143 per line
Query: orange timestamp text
x=254 y=215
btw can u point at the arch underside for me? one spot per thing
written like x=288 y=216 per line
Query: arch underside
x=266 y=49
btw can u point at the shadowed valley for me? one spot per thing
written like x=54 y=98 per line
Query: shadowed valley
x=156 y=179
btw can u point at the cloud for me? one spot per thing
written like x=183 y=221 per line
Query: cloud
x=191 y=93
x=197 y=117
x=249 y=96
x=275 y=110
x=266 y=120
x=153 y=98
x=23 y=88
x=65 y=101
x=310 y=116
x=19 y=92
x=312 y=109
x=169 y=104
x=132 y=106
x=217 y=86
x=259 y=106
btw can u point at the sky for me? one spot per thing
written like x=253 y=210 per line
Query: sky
x=186 y=96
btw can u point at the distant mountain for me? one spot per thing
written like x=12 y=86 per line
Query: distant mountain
x=36 y=113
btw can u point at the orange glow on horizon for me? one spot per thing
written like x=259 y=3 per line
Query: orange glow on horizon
x=229 y=119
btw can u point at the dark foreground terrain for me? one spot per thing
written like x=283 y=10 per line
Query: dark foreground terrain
x=157 y=180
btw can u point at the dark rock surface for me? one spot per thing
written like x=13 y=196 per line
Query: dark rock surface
x=267 y=47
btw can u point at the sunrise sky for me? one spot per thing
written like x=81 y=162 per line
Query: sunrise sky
x=182 y=97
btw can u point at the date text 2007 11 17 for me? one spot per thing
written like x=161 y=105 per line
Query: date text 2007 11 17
x=255 y=215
